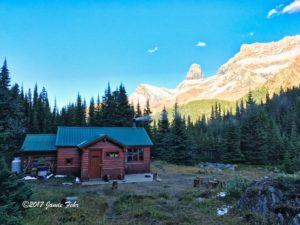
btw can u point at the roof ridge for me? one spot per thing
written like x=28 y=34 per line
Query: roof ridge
x=97 y=127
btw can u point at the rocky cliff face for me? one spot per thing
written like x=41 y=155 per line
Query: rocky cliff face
x=195 y=73
x=271 y=65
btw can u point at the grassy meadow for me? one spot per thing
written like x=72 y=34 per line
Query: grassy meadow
x=173 y=200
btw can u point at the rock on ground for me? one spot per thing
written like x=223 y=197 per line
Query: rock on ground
x=274 y=196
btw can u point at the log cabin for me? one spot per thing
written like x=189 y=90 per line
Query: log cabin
x=88 y=152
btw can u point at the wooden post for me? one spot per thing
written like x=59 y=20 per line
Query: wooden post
x=201 y=180
x=198 y=181
x=121 y=176
x=106 y=177
x=222 y=184
x=212 y=184
x=155 y=176
x=114 y=185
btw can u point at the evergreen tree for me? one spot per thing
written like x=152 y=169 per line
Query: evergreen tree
x=108 y=110
x=191 y=140
x=242 y=107
x=237 y=111
x=147 y=124
x=79 y=112
x=254 y=138
x=180 y=153
x=92 y=114
x=232 y=149
x=250 y=103
x=11 y=116
x=46 y=119
x=54 y=118
x=98 y=113
x=4 y=76
x=123 y=116
x=275 y=143
x=162 y=143
x=138 y=112
x=294 y=140
x=4 y=109
x=12 y=193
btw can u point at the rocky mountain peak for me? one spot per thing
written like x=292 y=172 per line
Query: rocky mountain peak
x=259 y=65
x=194 y=73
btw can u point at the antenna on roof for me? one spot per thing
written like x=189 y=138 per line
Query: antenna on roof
x=140 y=119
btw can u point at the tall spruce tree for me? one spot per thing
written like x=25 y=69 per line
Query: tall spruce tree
x=123 y=115
x=12 y=193
x=4 y=109
x=92 y=114
x=163 y=144
x=108 y=110
x=98 y=113
x=79 y=112
x=11 y=116
x=138 y=111
x=180 y=153
x=232 y=149
x=254 y=137
x=147 y=124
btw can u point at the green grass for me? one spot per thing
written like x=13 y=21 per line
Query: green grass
x=90 y=211
x=172 y=201
x=161 y=209
x=143 y=207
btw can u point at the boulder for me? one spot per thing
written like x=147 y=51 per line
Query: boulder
x=273 y=196
x=217 y=166
x=295 y=220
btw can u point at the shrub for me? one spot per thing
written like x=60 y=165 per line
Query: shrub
x=291 y=165
x=236 y=186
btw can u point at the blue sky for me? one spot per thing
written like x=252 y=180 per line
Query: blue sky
x=80 y=46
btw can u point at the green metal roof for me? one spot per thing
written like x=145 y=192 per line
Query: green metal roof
x=73 y=136
x=39 y=142
x=90 y=140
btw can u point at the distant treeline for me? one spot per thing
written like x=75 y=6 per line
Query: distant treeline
x=257 y=133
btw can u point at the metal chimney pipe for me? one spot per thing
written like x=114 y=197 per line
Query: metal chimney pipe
x=133 y=122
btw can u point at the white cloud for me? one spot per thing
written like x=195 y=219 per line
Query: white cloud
x=293 y=7
x=251 y=34
x=152 y=50
x=271 y=13
x=201 y=44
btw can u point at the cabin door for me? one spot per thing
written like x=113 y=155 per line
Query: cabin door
x=95 y=164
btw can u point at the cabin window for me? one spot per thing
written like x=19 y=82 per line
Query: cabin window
x=69 y=162
x=112 y=154
x=135 y=154
x=141 y=154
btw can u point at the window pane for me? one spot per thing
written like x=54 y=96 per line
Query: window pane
x=112 y=154
x=135 y=154
x=68 y=162
x=141 y=154
x=129 y=155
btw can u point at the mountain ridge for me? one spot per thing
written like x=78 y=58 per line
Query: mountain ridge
x=269 y=65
